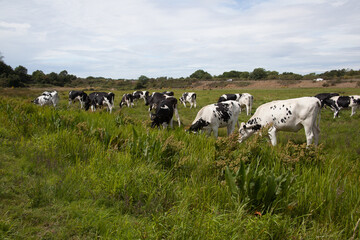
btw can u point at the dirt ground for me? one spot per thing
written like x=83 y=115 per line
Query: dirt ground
x=274 y=84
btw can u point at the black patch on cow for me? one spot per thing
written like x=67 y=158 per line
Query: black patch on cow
x=343 y=101
x=223 y=111
x=252 y=121
x=227 y=97
x=256 y=127
x=198 y=125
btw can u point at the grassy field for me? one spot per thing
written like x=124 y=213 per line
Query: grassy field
x=70 y=174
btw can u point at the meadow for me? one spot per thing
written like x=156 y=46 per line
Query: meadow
x=70 y=174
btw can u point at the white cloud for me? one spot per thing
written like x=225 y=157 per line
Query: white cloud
x=125 y=39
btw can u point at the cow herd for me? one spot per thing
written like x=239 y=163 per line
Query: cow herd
x=281 y=115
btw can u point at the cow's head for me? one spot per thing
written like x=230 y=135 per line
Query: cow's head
x=155 y=120
x=182 y=99
x=87 y=103
x=245 y=131
x=35 y=101
x=198 y=125
x=147 y=100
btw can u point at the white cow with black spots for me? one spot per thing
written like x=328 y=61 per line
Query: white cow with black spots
x=47 y=98
x=246 y=100
x=189 y=97
x=289 y=115
x=213 y=116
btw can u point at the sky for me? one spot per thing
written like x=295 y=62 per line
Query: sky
x=124 y=39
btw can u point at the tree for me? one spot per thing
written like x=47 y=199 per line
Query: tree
x=201 y=74
x=258 y=73
x=5 y=69
x=39 y=76
x=141 y=83
x=22 y=72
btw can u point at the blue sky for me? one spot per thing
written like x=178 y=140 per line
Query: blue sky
x=129 y=38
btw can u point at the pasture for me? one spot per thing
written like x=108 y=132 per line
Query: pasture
x=70 y=174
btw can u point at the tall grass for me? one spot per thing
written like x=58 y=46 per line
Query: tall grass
x=67 y=173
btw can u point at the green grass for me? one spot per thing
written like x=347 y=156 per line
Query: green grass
x=70 y=174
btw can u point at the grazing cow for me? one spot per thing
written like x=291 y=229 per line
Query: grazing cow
x=285 y=115
x=77 y=95
x=246 y=100
x=213 y=116
x=188 y=97
x=226 y=97
x=127 y=99
x=47 y=98
x=164 y=113
x=99 y=99
x=169 y=93
x=140 y=94
x=336 y=103
x=156 y=98
x=323 y=96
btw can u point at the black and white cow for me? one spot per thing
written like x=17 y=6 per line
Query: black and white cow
x=99 y=99
x=169 y=93
x=77 y=95
x=140 y=95
x=285 y=115
x=226 y=97
x=246 y=100
x=213 y=116
x=127 y=99
x=156 y=98
x=47 y=98
x=189 y=97
x=164 y=113
x=337 y=103
x=323 y=96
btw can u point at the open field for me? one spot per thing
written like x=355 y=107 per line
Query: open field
x=70 y=174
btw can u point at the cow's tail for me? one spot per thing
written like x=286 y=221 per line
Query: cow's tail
x=251 y=103
x=319 y=113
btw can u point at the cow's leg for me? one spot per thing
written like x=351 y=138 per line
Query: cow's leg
x=177 y=115
x=184 y=103
x=230 y=128
x=309 y=133
x=247 y=109
x=171 y=122
x=316 y=132
x=194 y=103
x=272 y=135
x=215 y=130
x=353 y=110
x=70 y=102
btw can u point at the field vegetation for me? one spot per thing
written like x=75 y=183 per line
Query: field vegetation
x=70 y=174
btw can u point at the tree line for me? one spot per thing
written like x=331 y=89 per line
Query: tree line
x=19 y=77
